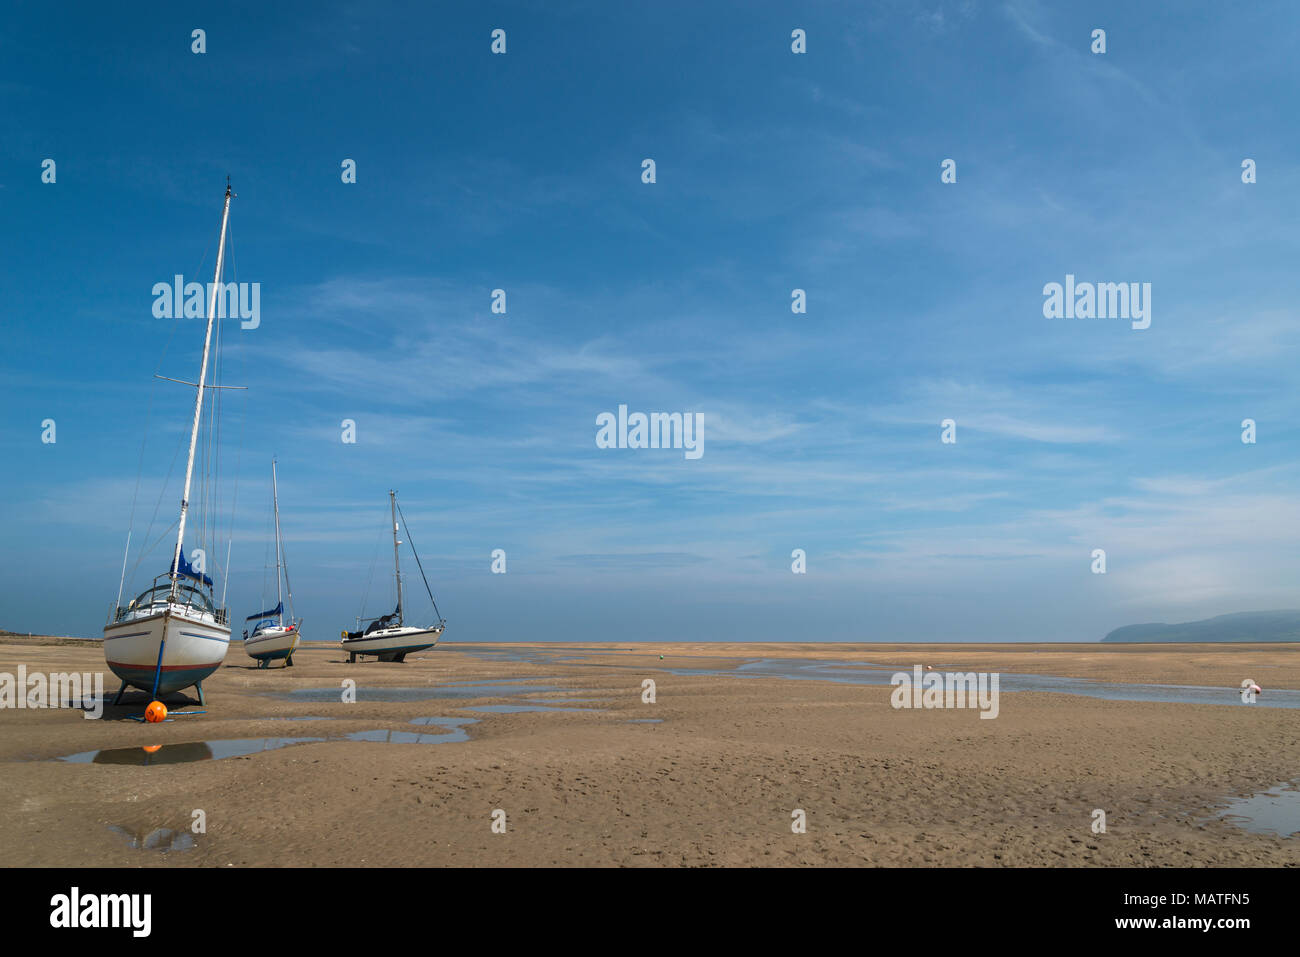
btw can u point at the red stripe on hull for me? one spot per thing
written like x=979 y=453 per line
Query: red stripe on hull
x=122 y=664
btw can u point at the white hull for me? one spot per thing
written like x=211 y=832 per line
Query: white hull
x=195 y=647
x=272 y=643
x=391 y=643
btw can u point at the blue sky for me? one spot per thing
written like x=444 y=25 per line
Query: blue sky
x=775 y=171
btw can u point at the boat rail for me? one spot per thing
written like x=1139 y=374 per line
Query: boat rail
x=159 y=597
x=220 y=615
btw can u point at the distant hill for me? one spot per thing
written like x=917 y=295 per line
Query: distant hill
x=1244 y=626
x=23 y=638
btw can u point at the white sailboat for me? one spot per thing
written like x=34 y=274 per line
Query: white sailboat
x=272 y=639
x=173 y=635
x=387 y=637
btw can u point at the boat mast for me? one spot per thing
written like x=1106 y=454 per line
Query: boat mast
x=275 y=502
x=397 y=568
x=198 y=398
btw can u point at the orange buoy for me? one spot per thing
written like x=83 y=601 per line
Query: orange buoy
x=157 y=711
x=152 y=748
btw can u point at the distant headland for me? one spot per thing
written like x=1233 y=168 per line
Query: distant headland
x=1246 y=626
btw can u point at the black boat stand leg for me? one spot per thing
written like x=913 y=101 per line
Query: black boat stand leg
x=117 y=699
x=198 y=685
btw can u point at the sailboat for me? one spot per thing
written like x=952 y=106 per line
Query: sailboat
x=387 y=637
x=272 y=639
x=173 y=635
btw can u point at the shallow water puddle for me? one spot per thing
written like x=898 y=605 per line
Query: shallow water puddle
x=569 y=700
x=162 y=839
x=1275 y=811
x=306 y=717
x=190 y=751
x=455 y=725
x=185 y=752
x=521 y=708
x=499 y=689
x=533 y=654
x=645 y=721
x=869 y=673
x=855 y=673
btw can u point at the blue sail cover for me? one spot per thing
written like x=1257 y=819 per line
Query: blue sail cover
x=187 y=571
x=273 y=613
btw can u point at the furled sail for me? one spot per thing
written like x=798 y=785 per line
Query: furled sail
x=187 y=571
x=272 y=613
x=378 y=623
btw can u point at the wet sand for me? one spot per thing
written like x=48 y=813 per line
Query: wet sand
x=714 y=783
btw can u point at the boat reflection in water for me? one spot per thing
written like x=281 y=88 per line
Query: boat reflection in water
x=154 y=754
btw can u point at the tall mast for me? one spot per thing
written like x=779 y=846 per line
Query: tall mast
x=275 y=502
x=397 y=568
x=198 y=398
x=288 y=585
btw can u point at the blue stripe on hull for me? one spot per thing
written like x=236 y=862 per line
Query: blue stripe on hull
x=170 y=681
x=191 y=634
x=387 y=651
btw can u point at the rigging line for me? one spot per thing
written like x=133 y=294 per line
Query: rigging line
x=158 y=504
x=243 y=419
x=211 y=453
x=176 y=320
x=234 y=499
x=266 y=554
x=171 y=335
x=283 y=561
x=374 y=560
x=210 y=450
x=144 y=439
x=135 y=495
x=287 y=587
x=145 y=550
x=220 y=370
x=418 y=565
x=218 y=410
x=206 y=483
x=165 y=534
x=205 y=452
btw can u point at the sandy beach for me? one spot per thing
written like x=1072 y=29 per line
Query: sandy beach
x=713 y=781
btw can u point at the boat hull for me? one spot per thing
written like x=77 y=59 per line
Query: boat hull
x=193 y=649
x=272 y=644
x=392 y=644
